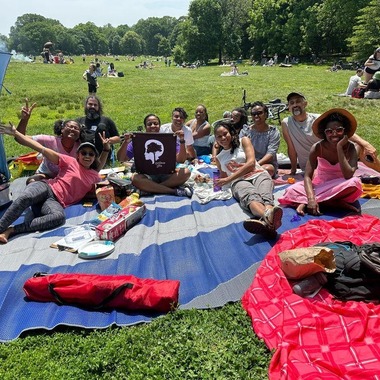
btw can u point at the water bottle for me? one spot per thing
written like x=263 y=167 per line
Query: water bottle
x=216 y=176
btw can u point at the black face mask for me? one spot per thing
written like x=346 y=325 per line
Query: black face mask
x=92 y=114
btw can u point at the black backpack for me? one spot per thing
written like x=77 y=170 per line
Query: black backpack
x=355 y=278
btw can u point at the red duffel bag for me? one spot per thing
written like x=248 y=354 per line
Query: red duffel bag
x=104 y=291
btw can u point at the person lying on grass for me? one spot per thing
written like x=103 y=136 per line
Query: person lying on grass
x=251 y=185
x=160 y=183
x=328 y=179
x=48 y=198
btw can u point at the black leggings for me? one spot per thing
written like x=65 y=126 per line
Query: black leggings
x=48 y=212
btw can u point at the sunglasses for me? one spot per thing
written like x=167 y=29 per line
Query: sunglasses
x=338 y=131
x=257 y=113
x=85 y=153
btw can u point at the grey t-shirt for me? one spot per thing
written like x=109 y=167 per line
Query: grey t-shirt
x=302 y=136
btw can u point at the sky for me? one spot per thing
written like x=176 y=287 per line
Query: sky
x=101 y=12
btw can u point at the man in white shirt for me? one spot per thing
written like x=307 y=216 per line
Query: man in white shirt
x=179 y=117
x=354 y=82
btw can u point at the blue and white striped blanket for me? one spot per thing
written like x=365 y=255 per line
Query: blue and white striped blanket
x=204 y=246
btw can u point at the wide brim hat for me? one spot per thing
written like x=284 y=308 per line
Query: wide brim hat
x=352 y=121
x=89 y=145
x=295 y=93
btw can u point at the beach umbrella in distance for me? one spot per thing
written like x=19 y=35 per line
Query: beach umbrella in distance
x=48 y=44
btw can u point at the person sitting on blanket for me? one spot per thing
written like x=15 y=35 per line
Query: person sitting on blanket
x=239 y=119
x=200 y=128
x=65 y=141
x=49 y=197
x=251 y=185
x=299 y=137
x=329 y=171
x=179 y=117
x=162 y=183
x=265 y=138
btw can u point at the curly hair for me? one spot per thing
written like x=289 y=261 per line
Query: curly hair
x=60 y=124
x=235 y=142
x=336 y=116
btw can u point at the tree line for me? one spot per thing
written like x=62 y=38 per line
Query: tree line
x=222 y=29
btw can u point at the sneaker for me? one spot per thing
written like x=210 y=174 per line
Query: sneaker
x=277 y=217
x=259 y=227
x=272 y=217
x=310 y=284
x=184 y=192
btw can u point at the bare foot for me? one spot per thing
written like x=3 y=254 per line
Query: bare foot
x=5 y=235
x=301 y=209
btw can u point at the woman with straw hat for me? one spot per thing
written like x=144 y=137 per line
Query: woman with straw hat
x=329 y=179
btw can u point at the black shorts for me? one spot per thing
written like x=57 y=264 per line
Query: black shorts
x=370 y=71
x=91 y=88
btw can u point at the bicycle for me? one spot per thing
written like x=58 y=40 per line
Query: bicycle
x=275 y=107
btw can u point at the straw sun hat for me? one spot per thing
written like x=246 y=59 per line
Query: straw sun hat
x=321 y=122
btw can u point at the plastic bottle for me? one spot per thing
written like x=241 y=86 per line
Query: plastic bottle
x=215 y=177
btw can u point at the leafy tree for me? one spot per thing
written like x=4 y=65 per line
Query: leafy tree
x=31 y=31
x=335 y=27
x=277 y=25
x=235 y=21
x=4 y=41
x=132 y=43
x=202 y=31
x=151 y=29
x=163 y=47
x=91 y=38
x=366 y=35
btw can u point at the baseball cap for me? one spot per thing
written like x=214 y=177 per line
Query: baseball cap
x=89 y=145
x=295 y=93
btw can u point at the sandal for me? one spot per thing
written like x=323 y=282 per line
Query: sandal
x=259 y=227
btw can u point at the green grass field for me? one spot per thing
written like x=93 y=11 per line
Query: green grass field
x=196 y=344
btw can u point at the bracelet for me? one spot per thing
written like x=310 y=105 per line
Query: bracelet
x=43 y=151
x=182 y=141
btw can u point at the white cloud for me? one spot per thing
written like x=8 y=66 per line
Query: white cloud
x=100 y=12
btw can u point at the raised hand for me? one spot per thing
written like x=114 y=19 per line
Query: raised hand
x=105 y=141
x=26 y=111
x=7 y=129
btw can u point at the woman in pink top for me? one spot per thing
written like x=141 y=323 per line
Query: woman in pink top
x=48 y=198
x=329 y=176
x=65 y=141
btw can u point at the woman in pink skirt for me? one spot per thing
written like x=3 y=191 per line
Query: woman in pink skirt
x=329 y=179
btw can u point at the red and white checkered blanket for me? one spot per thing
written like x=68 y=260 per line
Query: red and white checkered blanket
x=320 y=337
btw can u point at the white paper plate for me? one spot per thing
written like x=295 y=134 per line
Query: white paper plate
x=96 y=249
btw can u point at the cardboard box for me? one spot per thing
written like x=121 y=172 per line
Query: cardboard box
x=119 y=223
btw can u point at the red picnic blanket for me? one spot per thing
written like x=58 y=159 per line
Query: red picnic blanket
x=320 y=337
